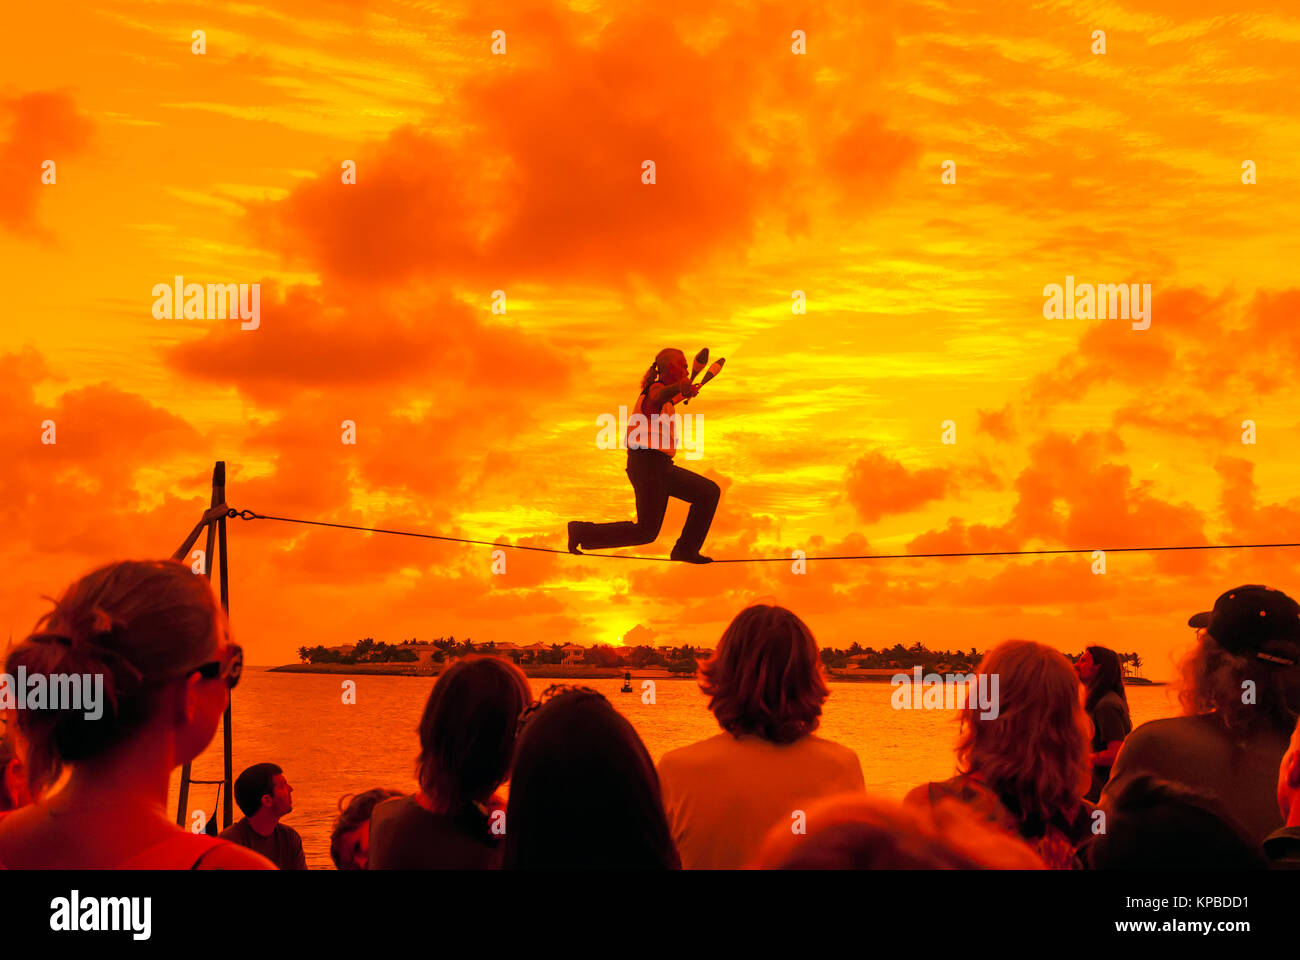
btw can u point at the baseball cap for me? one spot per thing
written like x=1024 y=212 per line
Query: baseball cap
x=1254 y=619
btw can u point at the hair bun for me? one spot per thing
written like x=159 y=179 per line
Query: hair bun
x=101 y=620
x=102 y=627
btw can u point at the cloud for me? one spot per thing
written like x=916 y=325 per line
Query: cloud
x=45 y=125
x=112 y=485
x=310 y=338
x=542 y=180
x=877 y=485
x=1248 y=519
x=640 y=635
x=1073 y=496
x=998 y=424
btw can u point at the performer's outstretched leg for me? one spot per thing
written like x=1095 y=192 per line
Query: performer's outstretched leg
x=647 y=470
x=655 y=478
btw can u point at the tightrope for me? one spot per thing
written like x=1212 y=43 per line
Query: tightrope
x=250 y=515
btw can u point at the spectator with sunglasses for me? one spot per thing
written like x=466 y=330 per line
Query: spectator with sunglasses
x=156 y=635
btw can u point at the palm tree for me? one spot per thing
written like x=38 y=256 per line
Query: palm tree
x=303 y=654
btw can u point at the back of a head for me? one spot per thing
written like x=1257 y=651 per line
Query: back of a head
x=1035 y=752
x=253 y=784
x=1156 y=824
x=661 y=361
x=467 y=731
x=856 y=832
x=135 y=623
x=354 y=811
x=584 y=792
x=765 y=677
x=1212 y=678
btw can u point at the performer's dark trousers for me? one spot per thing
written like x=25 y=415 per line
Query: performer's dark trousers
x=655 y=478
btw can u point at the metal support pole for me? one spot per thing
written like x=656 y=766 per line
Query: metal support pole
x=218 y=498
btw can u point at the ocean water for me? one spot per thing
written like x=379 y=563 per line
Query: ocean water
x=328 y=748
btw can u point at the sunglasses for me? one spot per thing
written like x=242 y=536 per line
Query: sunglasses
x=228 y=669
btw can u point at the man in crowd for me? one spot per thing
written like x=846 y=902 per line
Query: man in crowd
x=264 y=796
x=1243 y=682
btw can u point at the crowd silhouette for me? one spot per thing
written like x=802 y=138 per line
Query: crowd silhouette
x=1056 y=778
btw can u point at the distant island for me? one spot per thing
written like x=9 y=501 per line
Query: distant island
x=574 y=661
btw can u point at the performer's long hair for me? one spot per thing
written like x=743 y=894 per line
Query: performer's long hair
x=656 y=368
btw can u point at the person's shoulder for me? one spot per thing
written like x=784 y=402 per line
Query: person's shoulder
x=1111 y=701
x=391 y=805
x=839 y=760
x=1169 y=729
x=831 y=748
x=387 y=810
x=13 y=826
x=695 y=753
x=285 y=830
x=233 y=832
x=959 y=789
x=14 y=821
x=917 y=796
x=1163 y=748
x=390 y=817
x=232 y=856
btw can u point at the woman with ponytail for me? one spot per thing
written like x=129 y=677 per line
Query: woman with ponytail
x=152 y=633
x=653 y=474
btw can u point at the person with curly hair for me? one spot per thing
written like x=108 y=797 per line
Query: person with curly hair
x=1240 y=696
x=350 y=838
x=1027 y=768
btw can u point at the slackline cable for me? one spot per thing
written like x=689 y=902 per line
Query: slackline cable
x=250 y=515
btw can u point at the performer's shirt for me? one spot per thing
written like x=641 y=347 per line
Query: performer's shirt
x=652 y=434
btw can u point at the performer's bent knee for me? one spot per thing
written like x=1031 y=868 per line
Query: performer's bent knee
x=644 y=534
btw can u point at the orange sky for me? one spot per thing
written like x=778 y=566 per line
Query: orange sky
x=775 y=173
